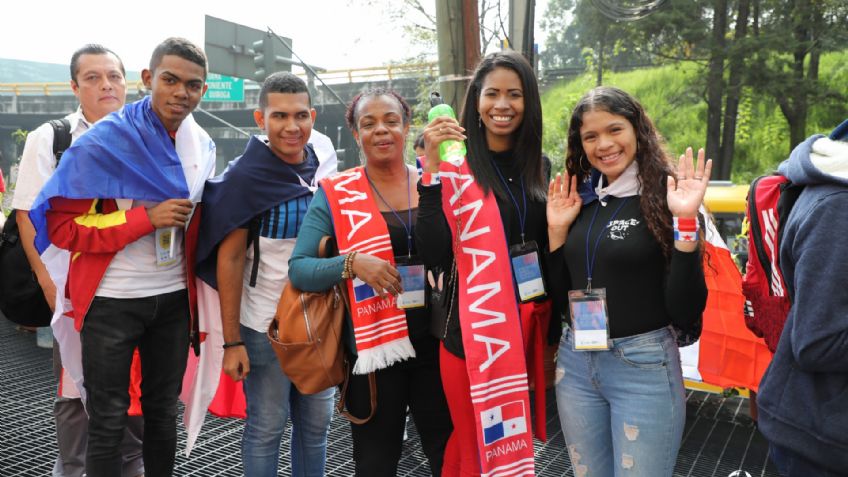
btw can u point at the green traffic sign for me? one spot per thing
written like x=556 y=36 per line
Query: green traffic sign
x=224 y=88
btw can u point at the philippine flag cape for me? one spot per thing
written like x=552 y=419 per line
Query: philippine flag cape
x=251 y=184
x=491 y=328
x=127 y=155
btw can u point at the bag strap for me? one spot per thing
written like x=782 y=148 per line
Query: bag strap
x=61 y=137
x=372 y=388
x=327 y=248
x=253 y=239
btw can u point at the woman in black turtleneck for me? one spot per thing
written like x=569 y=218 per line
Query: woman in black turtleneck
x=501 y=122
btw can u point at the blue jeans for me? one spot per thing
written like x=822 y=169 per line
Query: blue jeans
x=622 y=410
x=271 y=397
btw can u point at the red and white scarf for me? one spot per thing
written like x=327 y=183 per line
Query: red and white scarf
x=491 y=328
x=379 y=326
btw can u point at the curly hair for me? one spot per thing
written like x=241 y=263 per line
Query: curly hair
x=352 y=111
x=653 y=160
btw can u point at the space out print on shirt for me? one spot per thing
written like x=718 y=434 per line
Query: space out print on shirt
x=621 y=228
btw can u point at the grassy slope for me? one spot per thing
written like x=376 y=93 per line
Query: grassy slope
x=676 y=104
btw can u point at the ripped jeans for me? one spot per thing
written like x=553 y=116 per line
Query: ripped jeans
x=622 y=410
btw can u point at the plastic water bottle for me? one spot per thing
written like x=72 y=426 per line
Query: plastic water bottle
x=450 y=150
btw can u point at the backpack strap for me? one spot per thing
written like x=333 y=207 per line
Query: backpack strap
x=61 y=137
x=253 y=239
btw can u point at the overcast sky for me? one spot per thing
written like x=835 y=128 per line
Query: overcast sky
x=334 y=34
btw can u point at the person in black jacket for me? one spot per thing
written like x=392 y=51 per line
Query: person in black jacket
x=623 y=236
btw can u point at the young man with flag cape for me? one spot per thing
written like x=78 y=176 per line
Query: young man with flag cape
x=121 y=203
x=252 y=215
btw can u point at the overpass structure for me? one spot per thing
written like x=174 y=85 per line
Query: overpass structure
x=25 y=106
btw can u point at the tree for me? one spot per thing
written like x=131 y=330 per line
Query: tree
x=418 y=20
x=792 y=35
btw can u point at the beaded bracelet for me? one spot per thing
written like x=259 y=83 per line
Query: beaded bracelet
x=232 y=344
x=347 y=271
x=686 y=229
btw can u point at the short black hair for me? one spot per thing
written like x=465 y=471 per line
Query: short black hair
x=178 y=47
x=92 y=49
x=282 y=82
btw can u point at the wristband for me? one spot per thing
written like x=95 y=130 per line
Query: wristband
x=686 y=229
x=430 y=178
x=233 y=344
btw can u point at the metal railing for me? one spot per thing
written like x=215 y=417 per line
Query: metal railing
x=353 y=75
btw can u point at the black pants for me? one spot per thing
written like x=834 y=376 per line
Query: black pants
x=159 y=327
x=415 y=383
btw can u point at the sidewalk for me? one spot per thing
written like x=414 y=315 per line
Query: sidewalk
x=719 y=437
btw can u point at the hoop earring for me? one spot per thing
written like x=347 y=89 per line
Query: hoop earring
x=584 y=164
x=479 y=121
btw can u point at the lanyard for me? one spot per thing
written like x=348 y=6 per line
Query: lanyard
x=407 y=228
x=590 y=264
x=522 y=216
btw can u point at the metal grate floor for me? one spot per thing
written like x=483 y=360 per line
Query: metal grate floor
x=719 y=437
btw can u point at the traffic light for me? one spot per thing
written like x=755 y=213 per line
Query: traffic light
x=266 y=60
x=263 y=58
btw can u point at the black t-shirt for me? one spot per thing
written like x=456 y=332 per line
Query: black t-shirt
x=416 y=318
x=644 y=293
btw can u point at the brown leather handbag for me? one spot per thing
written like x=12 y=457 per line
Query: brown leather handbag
x=306 y=335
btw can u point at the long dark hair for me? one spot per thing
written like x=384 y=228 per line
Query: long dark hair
x=528 y=136
x=651 y=156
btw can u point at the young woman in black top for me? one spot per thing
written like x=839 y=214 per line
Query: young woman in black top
x=502 y=121
x=624 y=253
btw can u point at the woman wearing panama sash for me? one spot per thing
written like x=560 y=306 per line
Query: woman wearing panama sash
x=486 y=214
x=371 y=212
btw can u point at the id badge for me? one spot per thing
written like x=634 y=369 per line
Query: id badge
x=589 y=320
x=166 y=246
x=527 y=271
x=412 y=279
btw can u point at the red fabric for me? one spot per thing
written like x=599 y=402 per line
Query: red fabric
x=229 y=400
x=492 y=334
x=461 y=457
x=379 y=326
x=534 y=325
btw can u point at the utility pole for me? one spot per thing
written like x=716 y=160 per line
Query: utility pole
x=521 y=22
x=458 y=33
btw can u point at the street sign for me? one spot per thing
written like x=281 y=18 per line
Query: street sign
x=224 y=88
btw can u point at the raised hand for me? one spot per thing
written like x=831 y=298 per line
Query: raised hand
x=439 y=130
x=686 y=194
x=562 y=209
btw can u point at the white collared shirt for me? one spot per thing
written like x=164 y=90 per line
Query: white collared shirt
x=37 y=161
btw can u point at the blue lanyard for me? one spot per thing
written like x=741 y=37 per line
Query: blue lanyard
x=407 y=228
x=590 y=264
x=522 y=216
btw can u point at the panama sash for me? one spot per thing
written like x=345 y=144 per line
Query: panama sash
x=491 y=328
x=379 y=326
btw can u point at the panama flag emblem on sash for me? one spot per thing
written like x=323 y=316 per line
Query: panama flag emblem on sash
x=503 y=421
